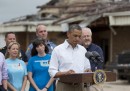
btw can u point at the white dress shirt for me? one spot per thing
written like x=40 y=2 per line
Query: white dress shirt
x=65 y=58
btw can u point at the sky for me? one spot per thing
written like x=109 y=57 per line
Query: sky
x=10 y=9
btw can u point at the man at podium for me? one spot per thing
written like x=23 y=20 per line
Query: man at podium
x=68 y=58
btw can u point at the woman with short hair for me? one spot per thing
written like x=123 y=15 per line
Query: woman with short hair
x=16 y=68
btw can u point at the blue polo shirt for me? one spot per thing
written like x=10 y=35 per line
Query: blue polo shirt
x=39 y=68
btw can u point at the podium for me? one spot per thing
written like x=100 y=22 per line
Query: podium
x=85 y=77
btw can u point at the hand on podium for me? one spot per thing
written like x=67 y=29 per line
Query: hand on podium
x=88 y=70
x=58 y=74
x=70 y=72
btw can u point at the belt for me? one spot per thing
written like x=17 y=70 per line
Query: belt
x=87 y=84
x=74 y=84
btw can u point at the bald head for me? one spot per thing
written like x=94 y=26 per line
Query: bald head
x=41 y=31
x=86 y=38
x=39 y=26
x=87 y=31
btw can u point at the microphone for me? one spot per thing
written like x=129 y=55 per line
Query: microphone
x=97 y=56
x=90 y=56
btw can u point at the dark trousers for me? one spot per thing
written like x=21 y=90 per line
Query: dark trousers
x=54 y=85
x=2 y=88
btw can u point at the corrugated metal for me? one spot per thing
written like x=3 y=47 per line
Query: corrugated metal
x=29 y=28
x=23 y=26
x=4 y=29
x=119 y=20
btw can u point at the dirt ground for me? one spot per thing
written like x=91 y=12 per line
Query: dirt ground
x=119 y=85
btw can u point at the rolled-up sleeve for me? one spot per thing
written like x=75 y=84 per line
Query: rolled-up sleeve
x=4 y=71
x=53 y=68
x=87 y=64
x=4 y=68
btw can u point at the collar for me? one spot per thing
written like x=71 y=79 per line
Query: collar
x=66 y=43
x=48 y=42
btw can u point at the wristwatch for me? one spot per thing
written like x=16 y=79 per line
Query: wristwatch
x=46 y=87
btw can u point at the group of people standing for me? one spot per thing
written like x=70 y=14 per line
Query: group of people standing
x=43 y=61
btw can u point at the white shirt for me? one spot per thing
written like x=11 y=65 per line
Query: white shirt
x=65 y=58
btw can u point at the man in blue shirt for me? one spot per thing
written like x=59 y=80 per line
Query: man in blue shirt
x=87 y=43
x=41 y=32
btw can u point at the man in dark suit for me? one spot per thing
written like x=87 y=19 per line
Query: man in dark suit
x=11 y=37
x=86 y=41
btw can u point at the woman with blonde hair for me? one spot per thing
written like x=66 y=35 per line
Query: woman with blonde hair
x=17 y=71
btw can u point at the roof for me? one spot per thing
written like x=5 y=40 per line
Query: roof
x=90 y=9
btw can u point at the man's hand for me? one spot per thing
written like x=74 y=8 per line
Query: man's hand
x=44 y=89
x=70 y=72
x=58 y=74
x=88 y=70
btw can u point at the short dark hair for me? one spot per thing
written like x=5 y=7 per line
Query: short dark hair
x=73 y=27
x=36 y=43
x=7 y=33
